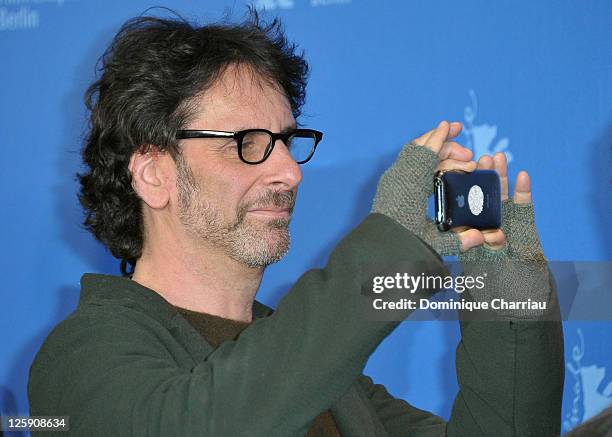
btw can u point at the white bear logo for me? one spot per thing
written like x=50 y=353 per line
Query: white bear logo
x=480 y=137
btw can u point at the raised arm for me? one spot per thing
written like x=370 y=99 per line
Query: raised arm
x=115 y=371
x=509 y=371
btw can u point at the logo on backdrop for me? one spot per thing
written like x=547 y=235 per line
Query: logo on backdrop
x=274 y=4
x=290 y=4
x=588 y=399
x=23 y=14
x=481 y=137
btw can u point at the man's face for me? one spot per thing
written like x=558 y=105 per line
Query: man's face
x=241 y=209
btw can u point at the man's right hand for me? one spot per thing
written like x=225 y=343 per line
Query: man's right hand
x=404 y=188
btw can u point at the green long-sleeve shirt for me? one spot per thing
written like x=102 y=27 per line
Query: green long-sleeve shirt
x=126 y=363
x=217 y=330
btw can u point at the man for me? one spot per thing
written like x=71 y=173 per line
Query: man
x=193 y=169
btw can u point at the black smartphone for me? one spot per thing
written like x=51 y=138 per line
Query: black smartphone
x=467 y=199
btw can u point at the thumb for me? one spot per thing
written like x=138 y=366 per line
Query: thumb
x=522 y=188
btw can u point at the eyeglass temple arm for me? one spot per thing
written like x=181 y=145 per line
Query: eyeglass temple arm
x=189 y=133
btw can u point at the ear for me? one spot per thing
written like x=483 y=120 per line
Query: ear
x=151 y=178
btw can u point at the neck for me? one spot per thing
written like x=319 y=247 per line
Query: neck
x=199 y=278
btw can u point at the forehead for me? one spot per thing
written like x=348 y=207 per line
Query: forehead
x=239 y=99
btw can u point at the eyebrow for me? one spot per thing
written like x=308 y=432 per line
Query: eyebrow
x=289 y=129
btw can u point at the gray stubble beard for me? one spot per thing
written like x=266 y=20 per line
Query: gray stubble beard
x=240 y=240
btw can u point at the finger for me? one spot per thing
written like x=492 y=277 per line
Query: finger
x=500 y=164
x=423 y=138
x=455 y=129
x=522 y=188
x=494 y=239
x=438 y=137
x=454 y=150
x=453 y=164
x=470 y=238
x=485 y=162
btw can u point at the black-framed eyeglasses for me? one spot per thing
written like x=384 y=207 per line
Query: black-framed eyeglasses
x=256 y=145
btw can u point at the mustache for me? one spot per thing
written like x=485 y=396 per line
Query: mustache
x=277 y=199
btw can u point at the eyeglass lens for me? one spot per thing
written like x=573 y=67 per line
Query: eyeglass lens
x=256 y=146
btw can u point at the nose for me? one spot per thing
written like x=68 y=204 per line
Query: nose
x=281 y=169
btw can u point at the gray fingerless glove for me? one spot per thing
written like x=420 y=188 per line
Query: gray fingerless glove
x=517 y=272
x=402 y=195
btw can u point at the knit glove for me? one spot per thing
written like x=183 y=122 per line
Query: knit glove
x=402 y=195
x=518 y=271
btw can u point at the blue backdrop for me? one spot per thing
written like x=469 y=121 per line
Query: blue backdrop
x=532 y=79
